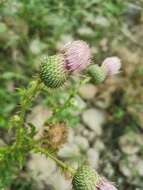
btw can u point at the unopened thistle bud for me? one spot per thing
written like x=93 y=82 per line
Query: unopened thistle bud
x=53 y=72
x=97 y=73
x=112 y=65
x=87 y=178
x=77 y=55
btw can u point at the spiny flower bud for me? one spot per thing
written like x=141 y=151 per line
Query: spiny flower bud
x=85 y=178
x=77 y=55
x=112 y=65
x=97 y=73
x=53 y=72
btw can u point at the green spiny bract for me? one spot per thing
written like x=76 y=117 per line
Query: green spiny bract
x=53 y=72
x=97 y=73
x=85 y=178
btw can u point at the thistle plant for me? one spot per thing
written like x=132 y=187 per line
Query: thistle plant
x=54 y=72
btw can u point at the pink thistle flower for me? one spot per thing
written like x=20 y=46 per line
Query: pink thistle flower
x=104 y=184
x=112 y=65
x=77 y=55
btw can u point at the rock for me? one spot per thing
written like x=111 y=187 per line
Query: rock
x=104 y=44
x=103 y=104
x=139 y=167
x=70 y=135
x=44 y=171
x=133 y=14
x=103 y=101
x=108 y=169
x=93 y=157
x=2 y=143
x=124 y=168
x=98 y=145
x=130 y=143
x=36 y=46
x=38 y=116
x=130 y=59
x=132 y=166
x=69 y=150
x=48 y=187
x=94 y=50
x=102 y=21
x=85 y=133
x=79 y=129
x=87 y=91
x=59 y=182
x=40 y=168
x=81 y=142
x=85 y=31
x=89 y=135
x=94 y=119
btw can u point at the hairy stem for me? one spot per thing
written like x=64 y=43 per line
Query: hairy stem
x=25 y=104
x=61 y=164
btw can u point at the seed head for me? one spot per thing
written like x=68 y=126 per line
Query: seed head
x=53 y=136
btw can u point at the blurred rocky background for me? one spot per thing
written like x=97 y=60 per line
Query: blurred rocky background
x=108 y=128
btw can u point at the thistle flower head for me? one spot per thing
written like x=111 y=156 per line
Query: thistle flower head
x=85 y=178
x=53 y=72
x=77 y=55
x=104 y=184
x=112 y=65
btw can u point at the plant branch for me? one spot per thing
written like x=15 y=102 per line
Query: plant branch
x=61 y=164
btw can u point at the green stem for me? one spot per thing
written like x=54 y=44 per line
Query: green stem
x=34 y=89
x=67 y=104
x=25 y=104
x=61 y=164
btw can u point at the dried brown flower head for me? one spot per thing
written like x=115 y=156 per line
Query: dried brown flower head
x=53 y=136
